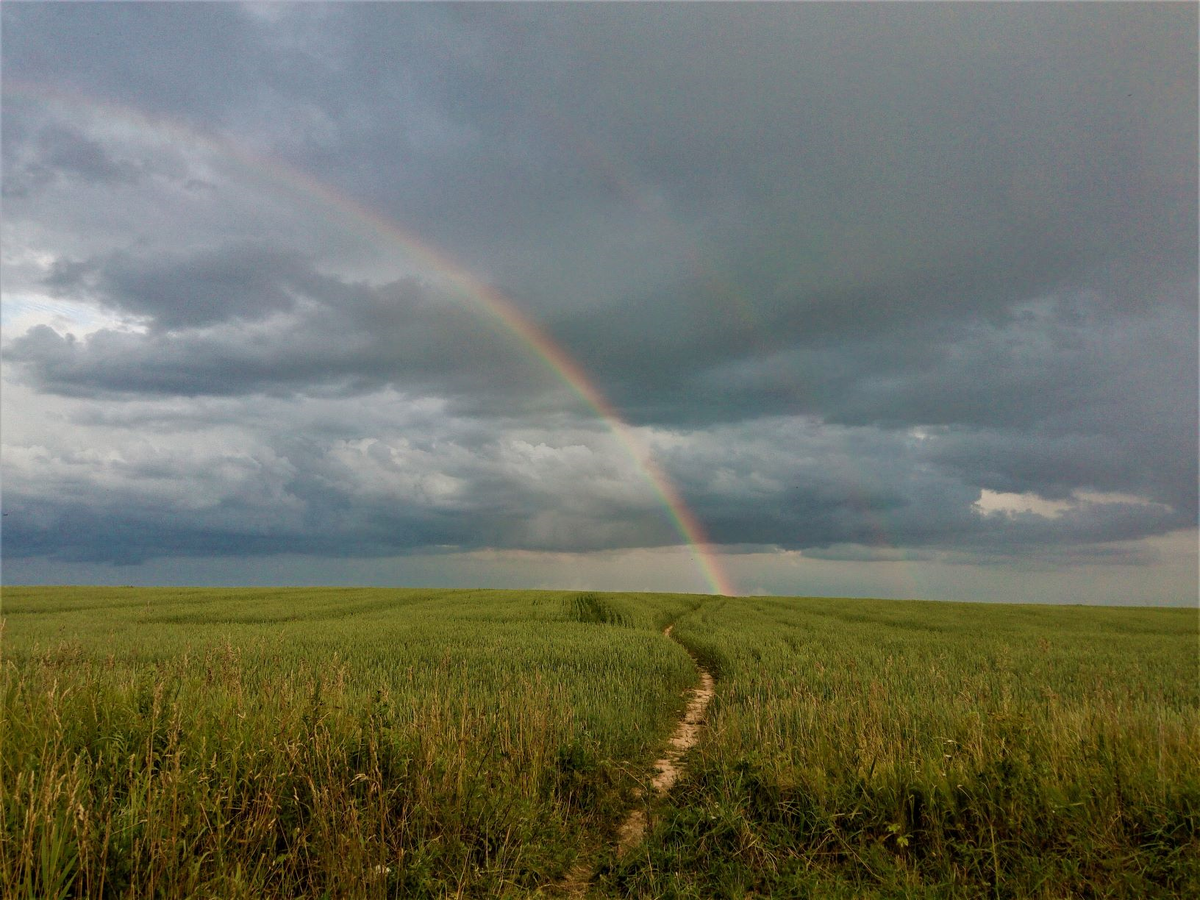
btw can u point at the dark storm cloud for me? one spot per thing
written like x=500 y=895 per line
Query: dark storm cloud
x=44 y=154
x=1056 y=362
x=246 y=319
x=972 y=222
x=1046 y=356
x=881 y=489
x=868 y=144
x=230 y=282
x=163 y=59
x=65 y=153
x=1049 y=402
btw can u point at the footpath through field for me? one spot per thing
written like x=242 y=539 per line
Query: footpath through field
x=667 y=771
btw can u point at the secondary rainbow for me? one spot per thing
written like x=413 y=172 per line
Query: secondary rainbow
x=503 y=309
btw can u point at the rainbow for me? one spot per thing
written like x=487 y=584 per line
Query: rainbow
x=484 y=296
x=740 y=311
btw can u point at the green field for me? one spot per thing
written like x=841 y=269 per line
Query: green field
x=422 y=743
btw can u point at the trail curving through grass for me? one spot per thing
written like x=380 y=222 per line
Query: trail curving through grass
x=667 y=768
x=670 y=766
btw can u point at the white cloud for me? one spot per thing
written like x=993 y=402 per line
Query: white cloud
x=1010 y=504
x=1003 y=502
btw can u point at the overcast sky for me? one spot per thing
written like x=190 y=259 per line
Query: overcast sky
x=901 y=300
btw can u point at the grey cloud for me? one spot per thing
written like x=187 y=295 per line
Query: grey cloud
x=835 y=152
x=1041 y=402
x=863 y=143
x=244 y=282
x=196 y=495
x=1055 y=466
x=49 y=149
x=858 y=261
x=896 y=362
x=248 y=319
x=863 y=553
x=65 y=153
x=69 y=150
x=882 y=490
x=854 y=494
x=167 y=57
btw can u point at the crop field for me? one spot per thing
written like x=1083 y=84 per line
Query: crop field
x=424 y=743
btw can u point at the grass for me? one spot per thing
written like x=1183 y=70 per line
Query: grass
x=393 y=743
x=883 y=748
x=322 y=743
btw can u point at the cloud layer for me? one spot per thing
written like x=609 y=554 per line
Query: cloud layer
x=845 y=270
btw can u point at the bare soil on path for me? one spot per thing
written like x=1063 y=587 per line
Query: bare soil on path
x=669 y=767
x=667 y=772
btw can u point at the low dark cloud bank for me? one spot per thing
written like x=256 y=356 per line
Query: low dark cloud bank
x=844 y=266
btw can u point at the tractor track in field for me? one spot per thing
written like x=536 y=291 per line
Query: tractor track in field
x=668 y=768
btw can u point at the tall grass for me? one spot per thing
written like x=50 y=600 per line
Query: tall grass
x=322 y=743
x=878 y=748
x=369 y=743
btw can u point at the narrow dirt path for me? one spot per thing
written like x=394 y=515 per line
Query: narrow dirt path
x=668 y=770
x=669 y=767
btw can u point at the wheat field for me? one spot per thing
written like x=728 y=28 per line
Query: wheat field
x=431 y=743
